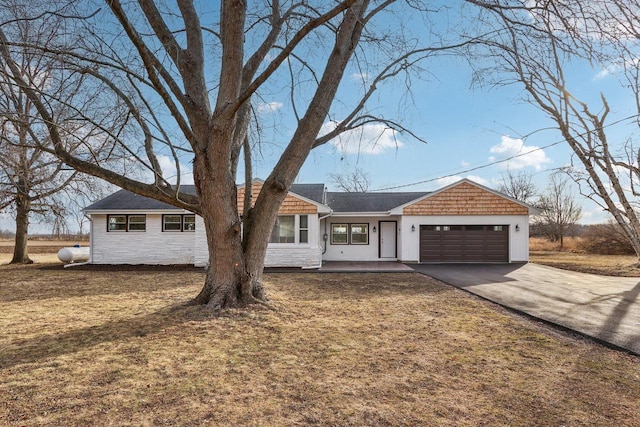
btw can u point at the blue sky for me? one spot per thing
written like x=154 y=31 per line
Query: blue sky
x=464 y=128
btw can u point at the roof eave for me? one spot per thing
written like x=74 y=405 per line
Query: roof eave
x=386 y=213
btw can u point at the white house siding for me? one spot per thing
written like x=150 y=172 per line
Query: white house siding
x=305 y=255
x=201 y=252
x=352 y=252
x=518 y=240
x=152 y=246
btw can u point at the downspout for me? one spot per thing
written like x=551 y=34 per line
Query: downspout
x=90 y=238
x=325 y=236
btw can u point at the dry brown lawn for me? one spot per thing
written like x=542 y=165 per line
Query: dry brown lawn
x=91 y=347
x=570 y=258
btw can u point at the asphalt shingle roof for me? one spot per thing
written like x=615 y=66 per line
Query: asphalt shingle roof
x=126 y=200
x=369 y=202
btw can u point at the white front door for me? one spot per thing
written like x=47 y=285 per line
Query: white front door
x=388 y=239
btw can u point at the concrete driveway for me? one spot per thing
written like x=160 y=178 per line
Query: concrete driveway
x=606 y=308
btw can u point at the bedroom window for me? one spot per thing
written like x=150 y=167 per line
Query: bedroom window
x=126 y=223
x=284 y=230
x=137 y=222
x=290 y=229
x=189 y=222
x=117 y=223
x=178 y=223
x=171 y=222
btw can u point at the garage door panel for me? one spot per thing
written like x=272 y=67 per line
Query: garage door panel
x=464 y=243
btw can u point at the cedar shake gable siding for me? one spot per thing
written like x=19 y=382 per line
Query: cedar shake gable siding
x=465 y=199
x=290 y=205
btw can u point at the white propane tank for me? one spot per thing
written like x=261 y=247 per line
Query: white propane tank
x=74 y=254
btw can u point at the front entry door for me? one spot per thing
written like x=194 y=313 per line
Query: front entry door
x=388 y=235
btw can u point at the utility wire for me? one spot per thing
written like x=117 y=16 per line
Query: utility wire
x=515 y=156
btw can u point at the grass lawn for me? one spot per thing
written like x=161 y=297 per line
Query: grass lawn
x=91 y=347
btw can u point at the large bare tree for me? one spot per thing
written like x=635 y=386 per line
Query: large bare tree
x=188 y=75
x=32 y=180
x=537 y=44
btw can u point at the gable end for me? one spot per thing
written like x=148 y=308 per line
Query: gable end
x=290 y=205
x=465 y=199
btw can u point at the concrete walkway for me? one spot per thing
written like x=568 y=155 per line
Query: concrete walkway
x=602 y=307
x=364 y=267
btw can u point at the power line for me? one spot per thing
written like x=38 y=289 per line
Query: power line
x=515 y=156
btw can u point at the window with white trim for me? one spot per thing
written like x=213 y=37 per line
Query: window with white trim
x=303 y=229
x=116 y=223
x=290 y=229
x=339 y=234
x=350 y=234
x=284 y=229
x=359 y=234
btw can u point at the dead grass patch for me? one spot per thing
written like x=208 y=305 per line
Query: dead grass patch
x=543 y=251
x=570 y=244
x=83 y=347
x=608 y=265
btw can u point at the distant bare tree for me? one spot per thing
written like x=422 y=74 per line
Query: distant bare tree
x=535 y=43
x=559 y=209
x=518 y=186
x=355 y=182
x=33 y=180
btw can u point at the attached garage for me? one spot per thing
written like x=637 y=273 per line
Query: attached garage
x=464 y=223
x=464 y=243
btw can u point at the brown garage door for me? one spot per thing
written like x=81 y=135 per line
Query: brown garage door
x=464 y=243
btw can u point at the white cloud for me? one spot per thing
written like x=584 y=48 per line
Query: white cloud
x=606 y=71
x=465 y=164
x=448 y=180
x=373 y=138
x=170 y=172
x=268 y=107
x=630 y=64
x=520 y=156
x=594 y=216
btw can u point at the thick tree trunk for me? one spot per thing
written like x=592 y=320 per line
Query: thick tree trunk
x=233 y=278
x=20 y=255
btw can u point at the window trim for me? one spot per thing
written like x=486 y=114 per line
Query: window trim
x=127 y=223
x=349 y=233
x=346 y=233
x=124 y=230
x=182 y=223
x=144 y=223
x=302 y=229
x=297 y=230
x=293 y=216
x=366 y=234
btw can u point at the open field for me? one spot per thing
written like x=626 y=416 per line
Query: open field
x=545 y=252
x=90 y=347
